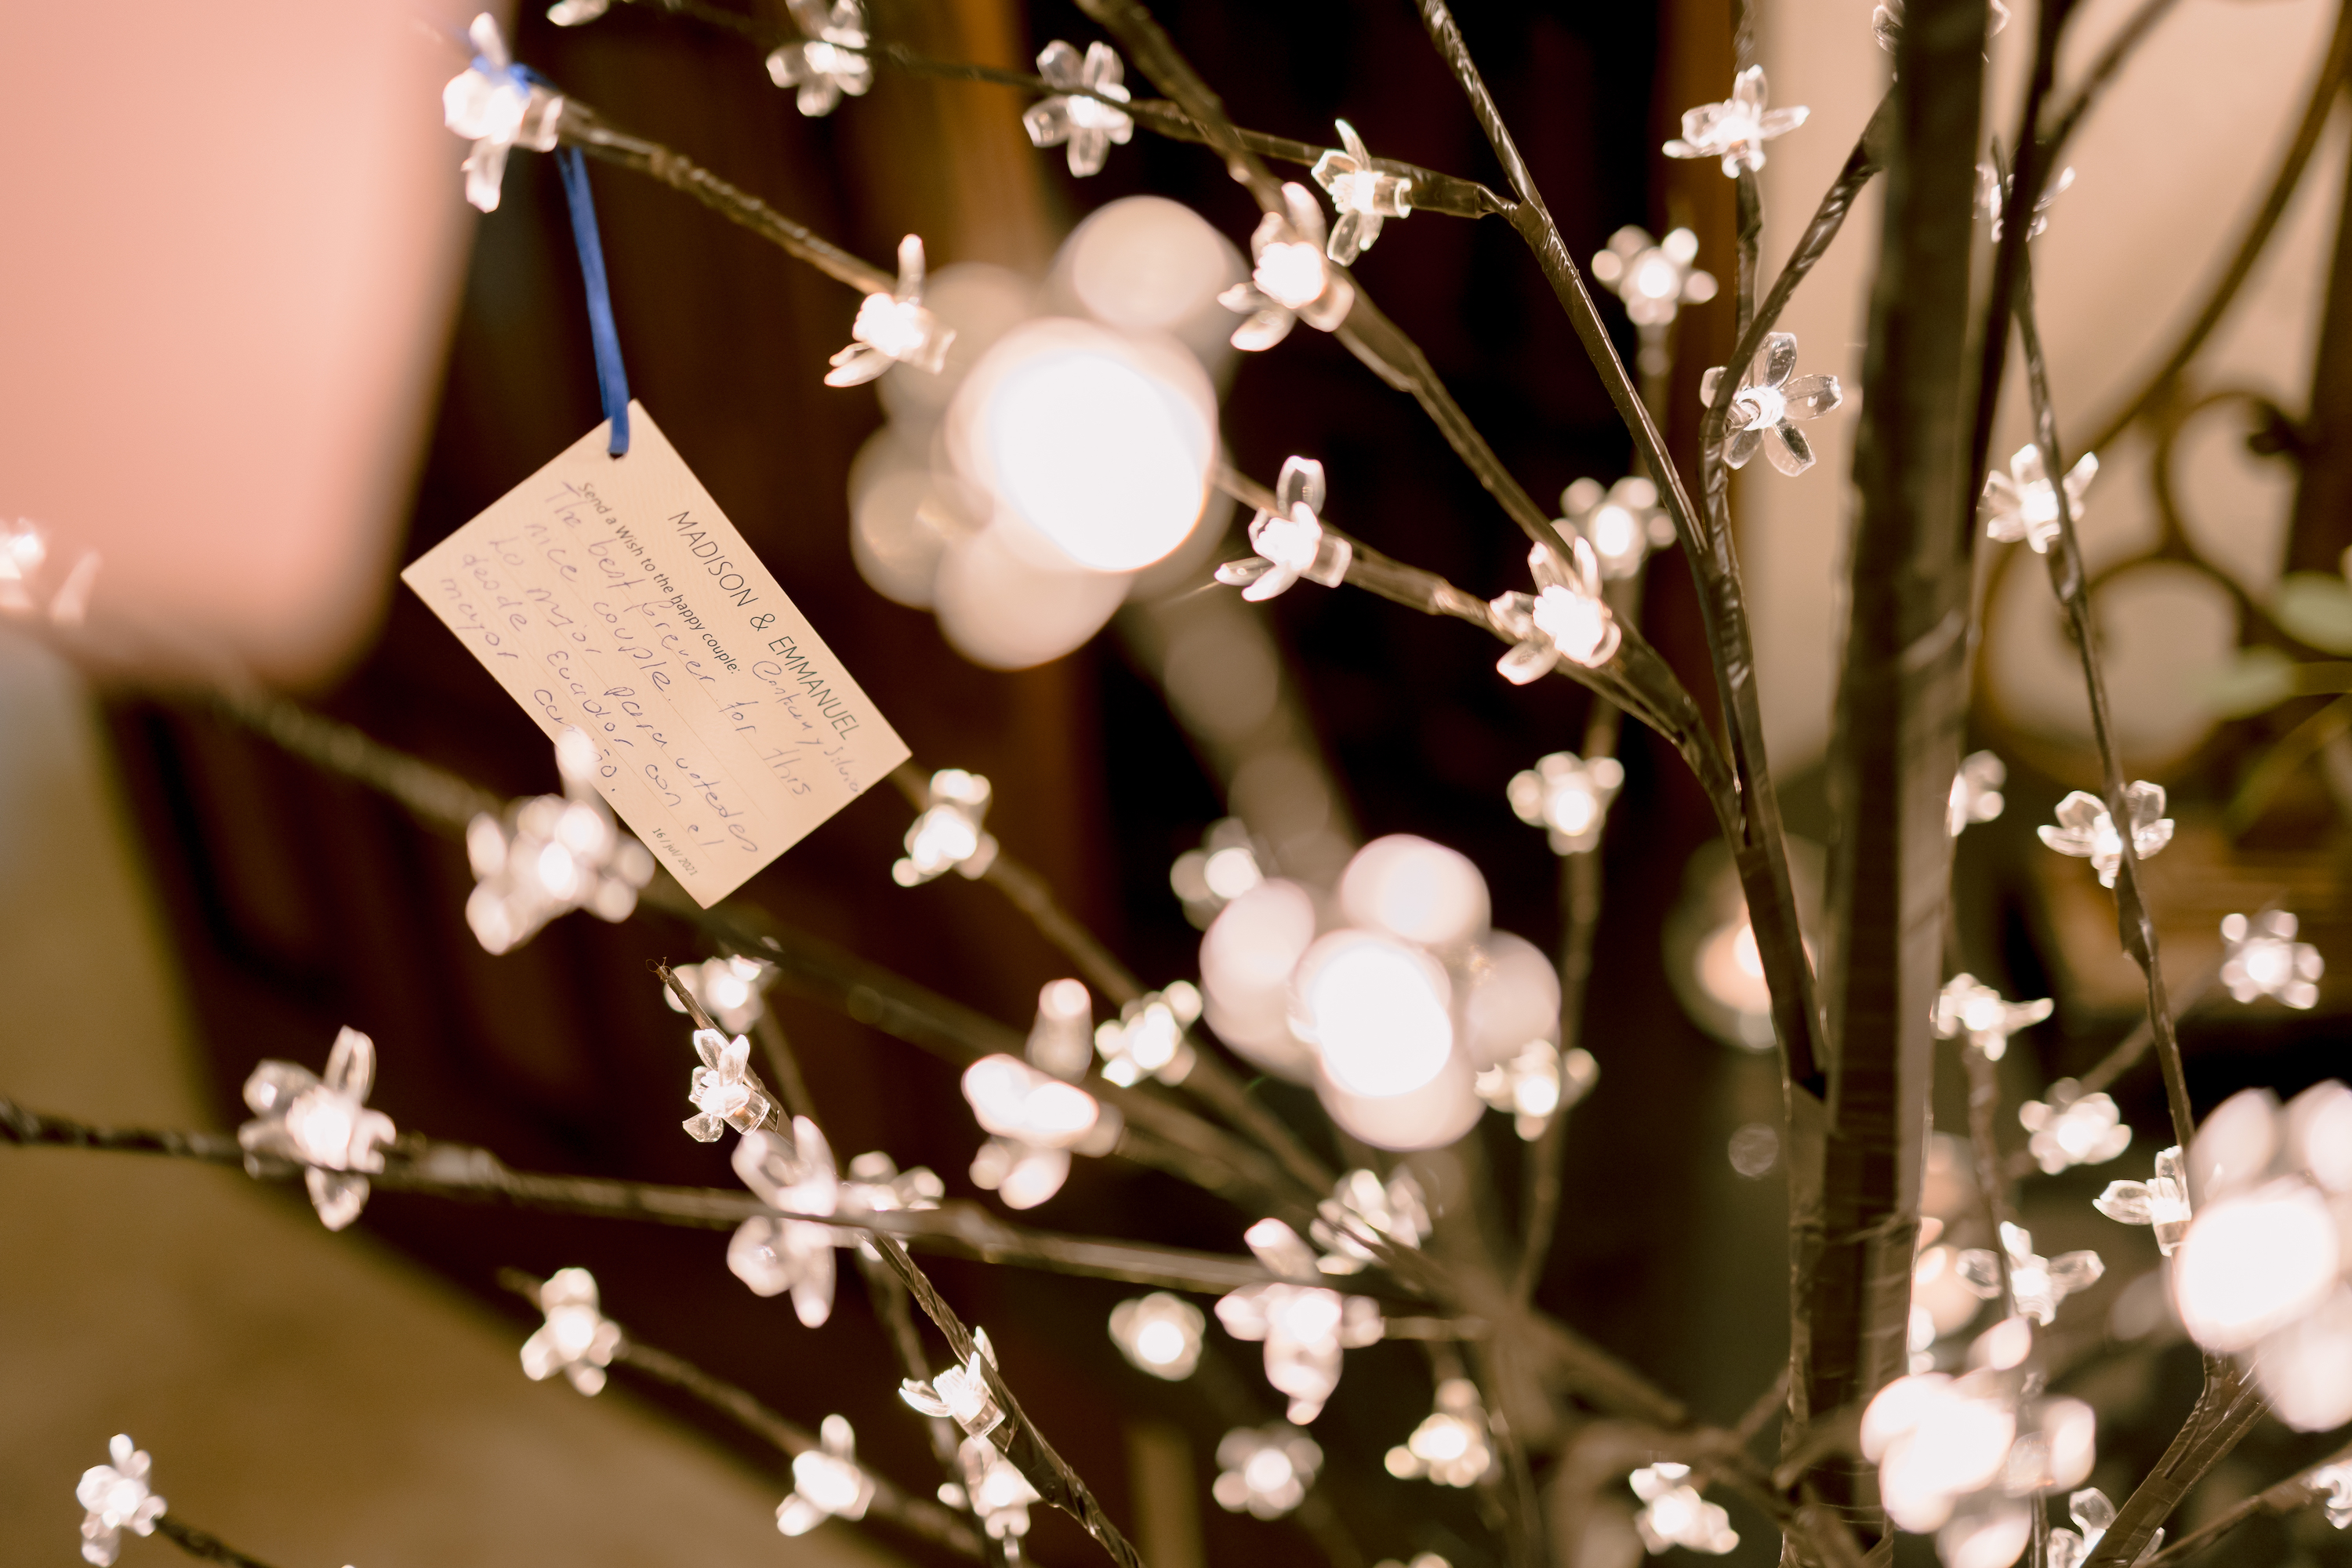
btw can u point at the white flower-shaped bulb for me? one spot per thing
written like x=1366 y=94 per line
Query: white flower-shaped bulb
x=497 y=108
x=1247 y=957
x=1623 y=521
x=998 y=1493
x=1958 y=1456
x=1771 y=402
x=1061 y=1041
x=1037 y=1121
x=2333 y=1483
x=2264 y=960
x=1305 y=1326
x=1291 y=541
x=2073 y=1127
x=947 y=834
x=1993 y=196
x=876 y=1185
x=1159 y=1333
x=1290 y=279
x=2036 y=1284
x=577 y=1340
x=894 y=328
x=2086 y=830
x=1364 y=197
x=1976 y=791
x=1565 y=618
x=321 y=1125
x=1224 y=868
x=1450 y=1446
x=1361 y=1211
x=1379 y=1009
x=773 y=1254
x=1568 y=797
x=1079 y=117
x=1264 y=1471
x=722 y=1094
x=962 y=1392
x=577 y=13
x=1147 y=1040
x=2161 y=1201
x=1737 y=128
x=553 y=854
x=1655 y=277
x=1538 y=1083
x=1673 y=1514
x=2023 y=504
x=826 y=1481
x=117 y=1497
x=1418 y=890
x=1966 y=1008
x=830 y=62
x=729 y=989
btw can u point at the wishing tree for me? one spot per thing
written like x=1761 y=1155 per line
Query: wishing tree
x=1040 y=464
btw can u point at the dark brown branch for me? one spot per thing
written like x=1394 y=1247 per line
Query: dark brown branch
x=2295 y=1491
x=201 y=1546
x=2225 y=1411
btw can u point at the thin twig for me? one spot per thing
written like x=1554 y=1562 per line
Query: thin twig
x=2296 y=1491
x=2226 y=1409
x=202 y=1545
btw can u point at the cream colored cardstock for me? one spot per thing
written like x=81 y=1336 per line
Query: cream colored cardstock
x=611 y=595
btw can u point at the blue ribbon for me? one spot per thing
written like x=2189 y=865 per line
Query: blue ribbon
x=612 y=381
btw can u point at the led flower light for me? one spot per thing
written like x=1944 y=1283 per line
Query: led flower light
x=2264 y=960
x=321 y=1125
x=1655 y=277
x=1363 y=195
x=1976 y=791
x=577 y=13
x=1967 y=1008
x=960 y=1393
x=2086 y=831
x=1992 y=197
x=1737 y=128
x=2023 y=503
x=829 y=61
x=1289 y=277
x=23 y=552
x=2036 y=1284
x=1147 y=1040
x=1264 y=1471
x=1450 y=1446
x=773 y=1253
x=1770 y=403
x=998 y=1493
x=1623 y=521
x=1290 y=541
x=722 y=1094
x=2263 y=1272
x=2161 y=1201
x=2073 y=1127
x=497 y=108
x=1537 y=1084
x=2333 y=1485
x=1159 y=1334
x=1061 y=1041
x=1379 y=1010
x=1078 y=116
x=577 y=1340
x=876 y=1185
x=118 y=1496
x=945 y=834
x=1568 y=797
x=1565 y=618
x=1247 y=957
x=1224 y=869
x=1417 y=891
x=729 y=989
x=1037 y=1121
x=1361 y=1211
x=1305 y=1326
x=894 y=328
x=553 y=854
x=826 y=1481
x=2094 y=1516
x=1673 y=1514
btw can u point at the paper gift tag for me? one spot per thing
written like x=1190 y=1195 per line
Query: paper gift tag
x=611 y=594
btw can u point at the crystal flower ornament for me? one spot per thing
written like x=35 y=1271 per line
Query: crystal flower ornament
x=1305 y=1326
x=2161 y=1201
x=960 y=1393
x=2332 y=1484
x=495 y=106
x=1993 y=192
x=876 y=1185
x=117 y=1497
x=23 y=552
x=1623 y=521
x=1061 y=1041
x=551 y=855
x=2094 y=1516
x=1967 y=1009
x=1976 y=791
x=2037 y=1284
x=1037 y=1121
x=321 y=1125
x=829 y=61
x=1361 y=1211
x=773 y=1253
x=2021 y=504
x=1655 y=277
x=1224 y=869
x=2086 y=831
x=1568 y=797
x=998 y=1493
x=1533 y=1086
x=729 y=989
x=1079 y=117
x=1737 y=128
x=1159 y=1333
x=577 y=1340
x=1290 y=541
x=722 y=1094
x=1264 y=1471
x=1290 y=279
x=1673 y=1514
x=1564 y=618
x=894 y=329
x=1450 y=1446
x=2264 y=960
x=2073 y=1127
x=945 y=834
x=826 y=1481
x=1147 y=1040
x=1771 y=402
x=1364 y=197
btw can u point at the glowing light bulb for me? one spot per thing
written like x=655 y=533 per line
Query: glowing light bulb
x=1414 y=889
x=1247 y=959
x=2254 y=1262
x=1379 y=1010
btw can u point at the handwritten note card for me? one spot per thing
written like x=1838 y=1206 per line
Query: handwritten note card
x=611 y=595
